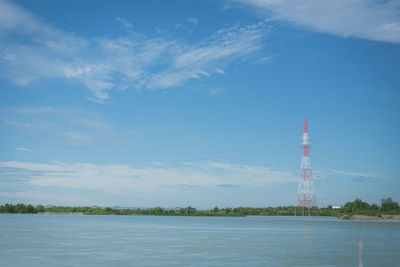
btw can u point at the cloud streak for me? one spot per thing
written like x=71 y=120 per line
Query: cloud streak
x=125 y=179
x=40 y=198
x=192 y=20
x=357 y=174
x=61 y=125
x=24 y=149
x=138 y=61
x=370 y=19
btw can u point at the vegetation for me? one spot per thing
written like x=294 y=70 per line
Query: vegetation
x=357 y=207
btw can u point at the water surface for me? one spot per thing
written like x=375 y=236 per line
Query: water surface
x=70 y=240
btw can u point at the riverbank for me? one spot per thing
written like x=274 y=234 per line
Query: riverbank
x=383 y=218
x=356 y=210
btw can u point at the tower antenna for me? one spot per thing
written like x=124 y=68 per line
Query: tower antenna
x=305 y=193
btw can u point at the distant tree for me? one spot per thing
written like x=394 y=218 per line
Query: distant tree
x=39 y=208
x=30 y=209
x=171 y=212
x=108 y=210
x=190 y=210
x=374 y=207
x=158 y=211
x=9 y=208
x=20 y=208
x=389 y=204
x=356 y=205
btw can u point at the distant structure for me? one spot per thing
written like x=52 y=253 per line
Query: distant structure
x=305 y=192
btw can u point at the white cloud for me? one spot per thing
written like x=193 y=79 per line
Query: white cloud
x=43 y=51
x=77 y=137
x=102 y=65
x=357 y=174
x=36 y=197
x=68 y=115
x=21 y=22
x=25 y=149
x=233 y=42
x=210 y=56
x=29 y=166
x=61 y=125
x=98 y=88
x=368 y=19
x=192 y=20
x=125 y=179
x=124 y=22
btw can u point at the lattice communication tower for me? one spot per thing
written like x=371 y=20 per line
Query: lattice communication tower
x=305 y=192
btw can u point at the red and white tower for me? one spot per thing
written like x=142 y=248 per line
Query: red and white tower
x=305 y=192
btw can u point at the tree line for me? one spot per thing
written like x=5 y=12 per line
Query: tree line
x=357 y=207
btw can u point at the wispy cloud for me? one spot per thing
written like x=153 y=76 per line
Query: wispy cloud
x=61 y=125
x=43 y=51
x=370 y=19
x=16 y=20
x=125 y=179
x=228 y=185
x=24 y=149
x=124 y=22
x=192 y=20
x=37 y=197
x=135 y=60
x=357 y=174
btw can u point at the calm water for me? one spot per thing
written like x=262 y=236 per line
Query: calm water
x=67 y=240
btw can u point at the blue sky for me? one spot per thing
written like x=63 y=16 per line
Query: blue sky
x=177 y=103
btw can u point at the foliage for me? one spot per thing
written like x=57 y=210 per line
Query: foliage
x=18 y=208
x=388 y=204
x=359 y=207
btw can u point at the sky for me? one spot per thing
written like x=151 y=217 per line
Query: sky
x=198 y=103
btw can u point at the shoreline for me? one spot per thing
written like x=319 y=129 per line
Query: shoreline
x=366 y=218
x=359 y=218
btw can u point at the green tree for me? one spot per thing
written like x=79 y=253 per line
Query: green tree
x=355 y=206
x=389 y=204
x=30 y=209
x=8 y=208
x=108 y=210
x=374 y=207
x=190 y=210
x=39 y=208
x=20 y=208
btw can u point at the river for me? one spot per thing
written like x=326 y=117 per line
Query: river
x=108 y=240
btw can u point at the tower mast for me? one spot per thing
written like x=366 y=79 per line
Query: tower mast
x=305 y=192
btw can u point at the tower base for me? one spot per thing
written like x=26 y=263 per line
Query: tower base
x=304 y=209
